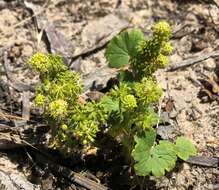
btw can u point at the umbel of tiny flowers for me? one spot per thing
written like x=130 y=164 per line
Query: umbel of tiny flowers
x=129 y=102
x=58 y=108
x=153 y=51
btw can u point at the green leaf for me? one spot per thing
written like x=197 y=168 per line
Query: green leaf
x=143 y=145
x=155 y=159
x=109 y=104
x=123 y=47
x=185 y=148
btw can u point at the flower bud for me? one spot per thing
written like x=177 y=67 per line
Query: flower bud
x=39 y=62
x=40 y=100
x=58 y=108
x=162 y=30
x=167 y=48
x=129 y=101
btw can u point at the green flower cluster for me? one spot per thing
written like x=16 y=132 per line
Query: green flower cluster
x=133 y=112
x=148 y=91
x=86 y=121
x=48 y=65
x=58 y=108
x=58 y=83
x=129 y=102
x=40 y=100
x=57 y=94
x=152 y=52
x=162 y=31
x=72 y=122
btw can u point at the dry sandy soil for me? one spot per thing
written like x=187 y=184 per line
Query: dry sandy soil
x=79 y=30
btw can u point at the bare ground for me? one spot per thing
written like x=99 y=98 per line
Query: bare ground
x=190 y=104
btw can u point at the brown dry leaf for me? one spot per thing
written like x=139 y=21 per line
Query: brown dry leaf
x=169 y=105
x=91 y=151
x=210 y=87
x=215 y=84
x=81 y=100
x=208 y=93
x=94 y=95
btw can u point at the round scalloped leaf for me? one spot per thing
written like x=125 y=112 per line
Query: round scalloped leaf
x=159 y=159
x=123 y=47
x=110 y=104
x=150 y=158
x=143 y=145
x=185 y=148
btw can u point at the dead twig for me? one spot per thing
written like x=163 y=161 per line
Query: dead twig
x=180 y=31
x=55 y=41
x=74 y=177
x=9 y=140
x=216 y=142
x=192 y=61
x=12 y=137
x=179 y=28
x=204 y=161
x=65 y=172
x=100 y=45
x=26 y=106
x=9 y=116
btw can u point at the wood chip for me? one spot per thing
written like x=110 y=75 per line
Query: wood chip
x=15 y=181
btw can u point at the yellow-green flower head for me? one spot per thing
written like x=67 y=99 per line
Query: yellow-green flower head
x=142 y=47
x=58 y=108
x=40 y=100
x=162 y=60
x=84 y=142
x=148 y=91
x=162 y=30
x=167 y=48
x=56 y=63
x=63 y=137
x=149 y=48
x=129 y=101
x=64 y=127
x=149 y=119
x=39 y=62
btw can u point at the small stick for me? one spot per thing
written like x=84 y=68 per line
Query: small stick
x=26 y=106
x=204 y=161
x=8 y=116
x=192 y=61
x=100 y=45
x=76 y=177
